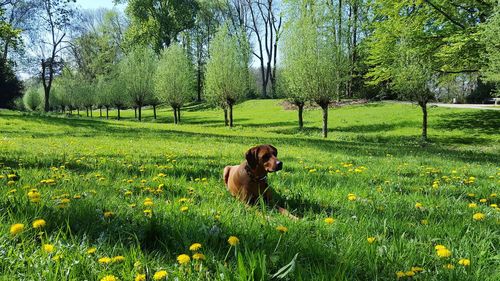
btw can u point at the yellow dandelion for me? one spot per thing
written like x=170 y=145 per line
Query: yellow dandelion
x=479 y=216
x=39 y=223
x=108 y=214
x=400 y=274
x=184 y=208
x=464 y=262
x=443 y=253
x=16 y=228
x=439 y=247
x=351 y=197
x=483 y=200
x=160 y=275
x=183 y=259
x=282 y=229
x=424 y=222
x=48 y=248
x=233 y=240
x=416 y=269
x=140 y=277
x=148 y=213
x=195 y=247
x=329 y=220
x=449 y=266
x=410 y=273
x=198 y=256
x=371 y=240
x=57 y=258
x=118 y=259
x=91 y=251
x=419 y=205
x=109 y=278
x=472 y=205
x=104 y=260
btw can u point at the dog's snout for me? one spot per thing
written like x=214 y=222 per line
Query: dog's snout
x=279 y=165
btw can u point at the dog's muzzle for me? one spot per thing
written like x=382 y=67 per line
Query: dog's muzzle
x=279 y=165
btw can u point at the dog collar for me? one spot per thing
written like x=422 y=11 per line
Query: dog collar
x=251 y=173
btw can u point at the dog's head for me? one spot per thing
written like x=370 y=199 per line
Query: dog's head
x=264 y=156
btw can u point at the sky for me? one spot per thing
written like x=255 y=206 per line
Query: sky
x=95 y=4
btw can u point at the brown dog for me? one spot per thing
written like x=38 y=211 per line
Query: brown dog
x=248 y=180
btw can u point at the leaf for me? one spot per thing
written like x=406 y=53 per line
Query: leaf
x=285 y=270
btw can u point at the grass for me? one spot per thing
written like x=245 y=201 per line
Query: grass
x=103 y=171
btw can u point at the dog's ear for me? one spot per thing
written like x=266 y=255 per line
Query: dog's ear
x=252 y=156
x=275 y=150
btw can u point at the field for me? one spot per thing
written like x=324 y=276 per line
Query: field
x=373 y=202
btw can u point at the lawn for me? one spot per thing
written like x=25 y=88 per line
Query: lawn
x=125 y=198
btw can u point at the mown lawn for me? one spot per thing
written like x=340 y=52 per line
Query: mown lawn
x=89 y=179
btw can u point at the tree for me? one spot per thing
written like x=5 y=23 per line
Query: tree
x=10 y=86
x=227 y=76
x=137 y=71
x=157 y=23
x=490 y=32
x=174 y=79
x=315 y=65
x=33 y=98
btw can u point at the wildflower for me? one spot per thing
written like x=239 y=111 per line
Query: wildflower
x=472 y=205
x=184 y=208
x=312 y=171
x=282 y=229
x=416 y=269
x=183 y=200
x=198 y=256
x=48 y=248
x=140 y=277
x=471 y=194
x=371 y=240
x=400 y=274
x=478 y=216
x=183 y=259
x=449 y=266
x=118 y=259
x=109 y=278
x=351 y=197
x=493 y=195
x=424 y=222
x=57 y=258
x=410 y=273
x=233 y=240
x=159 y=275
x=329 y=220
x=91 y=251
x=148 y=202
x=39 y=223
x=148 y=213
x=128 y=193
x=483 y=200
x=195 y=247
x=419 y=205
x=439 y=247
x=104 y=260
x=16 y=228
x=108 y=214
x=443 y=253
x=464 y=262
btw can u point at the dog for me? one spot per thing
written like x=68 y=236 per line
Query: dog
x=248 y=181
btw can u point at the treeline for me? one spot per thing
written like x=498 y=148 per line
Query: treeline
x=223 y=51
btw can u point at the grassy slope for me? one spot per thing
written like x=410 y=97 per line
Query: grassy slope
x=381 y=137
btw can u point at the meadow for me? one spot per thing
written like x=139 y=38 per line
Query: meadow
x=129 y=200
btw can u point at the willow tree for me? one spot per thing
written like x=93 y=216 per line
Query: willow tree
x=174 y=79
x=227 y=74
x=137 y=71
x=314 y=63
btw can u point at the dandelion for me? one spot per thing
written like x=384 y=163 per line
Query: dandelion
x=472 y=205
x=104 y=260
x=483 y=200
x=424 y=222
x=449 y=266
x=159 y=275
x=91 y=251
x=416 y=269
x=183 y=259
x=195 y=247
x=57 y=258
x=118 y=259
x=198 y=256
x=439 y=247
x=371 y=240
x=282 y=229
x=140 y=277
x=148 y=213
x=443 y=253
x=419 y=205
x=109 y=278
x=351 y=197
x=233 y=240
x=16 y=229
x=410 y=273
x=48 y=248
x=108 y=214
x=148 y=202
x=464 y=262
x=329 y=220
x=400 y=274
x=184 y=208
x=39 y=223
x=478 y=216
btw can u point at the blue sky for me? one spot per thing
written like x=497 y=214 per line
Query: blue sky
x=94 y=4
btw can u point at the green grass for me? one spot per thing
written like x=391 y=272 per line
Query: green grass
x=373 y=152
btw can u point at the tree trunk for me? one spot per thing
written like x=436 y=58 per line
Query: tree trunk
x=140 y=113
x=100 y=112
x=301 y=120
x=118 y=113
x=179 y=114
x=175 y=114
x=423 y=105
x=198 y=88
x=226 y=120
x=107 y=112
x=78 y=111
x=87 y=109
x=135 y=112
x=91 y=111
x=230 y=116
x=325 y=120
x=154 y=111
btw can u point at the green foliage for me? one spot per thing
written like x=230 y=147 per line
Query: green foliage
x=174 y=78
x=227 y=77
x=33 y=98
x=490 y=37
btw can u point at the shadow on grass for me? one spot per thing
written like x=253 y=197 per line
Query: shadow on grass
x=480 y=121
